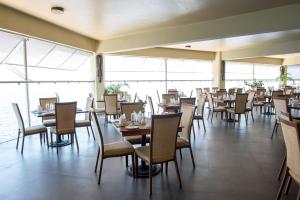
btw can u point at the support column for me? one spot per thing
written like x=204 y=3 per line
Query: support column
x=99 y=87
x=217 y=72
x=26 y=80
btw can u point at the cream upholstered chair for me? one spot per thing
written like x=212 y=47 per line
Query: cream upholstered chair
x=281 y=105
x=48 y=121
x=86 y=122
x=65 y=114
x=198 y=92
x=173 y=91
x=110 y=150
x=167 y=97
x=239 y=90
x=240 y=106
x=200 y=110
x=220 y=94
x=184 y=139
x=274 y=95
x=164 y=129
x=187 y=101
x=111 y=105
x=291 y=137
x=127 y=109
x=231 y=91
x=260 y=99
x=249 y=105
x=31 y=130
x=206 y=89
x=213 y=109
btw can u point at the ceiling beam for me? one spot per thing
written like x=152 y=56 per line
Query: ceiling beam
x=264 y=21
x=263 y=50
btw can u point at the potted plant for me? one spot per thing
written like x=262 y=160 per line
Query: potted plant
x=118 y=89
x=283 y=78
x=254 y=84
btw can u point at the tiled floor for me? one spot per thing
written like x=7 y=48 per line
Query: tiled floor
x=232 y=162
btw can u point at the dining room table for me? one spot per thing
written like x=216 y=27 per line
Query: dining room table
x=170 y=107
x=51 y=113
x=229 y=101
x=136 y=129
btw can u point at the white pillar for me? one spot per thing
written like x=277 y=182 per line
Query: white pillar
x=99 y=87
x=217 y=71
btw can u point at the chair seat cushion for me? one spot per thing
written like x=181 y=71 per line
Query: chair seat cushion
x=99 y=110
x=181 y=142
x=118 y=149
x=219 y=109
x=248 y=109
x=259 y=103
x=143 y=153
x=49 y=122
x=35 y=129
x=82 y=123
x=198 y=117
x=231 y=110
x=136 y=139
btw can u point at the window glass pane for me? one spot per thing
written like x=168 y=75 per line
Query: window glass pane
x=238 y=71
x=57 y=57
x=264 y=72
x=37 y=50
x=294 y=71
x=8 y=43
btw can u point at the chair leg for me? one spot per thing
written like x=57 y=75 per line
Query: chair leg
x=177 y=172
x=208 y=114
x=180 y=154
x=136 y=165
x=97 y=160
x=166 y=170
x=204 y=125
x=87 y=128
x=282 y=185
x=126 y=159
x=76 y=141
x=198 y=123
x=41 y=139
x=93 y=133
x=133 y=166
x=252 y=115
x=23 y=144
x=274 y=129
x=282 y=168
x=57 y=144
x=193 y=129
x=46 y=136
x=18 y=139
x=192 y=156
x=246 y=118
x=150 y=177
x=212 y=114
x=100 y=171
x=288 y=184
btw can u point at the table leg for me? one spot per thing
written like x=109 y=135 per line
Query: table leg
x=60 y=142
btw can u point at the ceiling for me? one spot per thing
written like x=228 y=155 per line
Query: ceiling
x=103 y=19
x=236 y=43
x=285 y=56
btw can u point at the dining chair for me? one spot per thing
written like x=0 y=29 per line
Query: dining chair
x=110 y=150
x=86 y=122
x=173 y=91
x=31 y=130
x=184 y=139
x=48 y=121
x=260 y=98
x=65 y=114
x=200 y=111
x=162 y=148
x=213 y=109
x=127 y=109
x=111 y=105
x=220 y=94
x=187 y=100
x=281 y=105
x=231 y=91
x=291 y=137
x=240 y=106
x=167 y=97
x=249 y=105
x=275 y=94
x=198 y=92
x=206 y=89
x=158 y=99
x=214 y=89
x=239 y=90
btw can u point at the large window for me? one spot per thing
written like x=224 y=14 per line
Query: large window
x=236 y=73
x=50 y=69
x=294 y=73
x=148 y=75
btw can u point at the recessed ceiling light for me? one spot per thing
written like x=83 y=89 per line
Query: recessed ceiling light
x=188 y=46
x=57 y=10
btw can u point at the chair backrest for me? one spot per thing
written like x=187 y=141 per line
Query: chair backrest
x=221 y=93
x=88 y=106
x=128 y=108
x=239 y=90
x=164 y=131
x=167 y=97
x=290 y=132
x=19 y=117
x=260 y=92
x=97 y=130
x=188 y=101
x=231 y=91
x=214 y=89
x=198 y=92
x=44 y=102
x=210 y=101
x=111 y=104
x=281 y=105
x=250 y=99
x=206 y=89
x=151 y=105
x=275 y=94
x=65 y=114
x=201 y=104
x=286 y=116
x=187 y=117
x=173 y=91
x=240 y=103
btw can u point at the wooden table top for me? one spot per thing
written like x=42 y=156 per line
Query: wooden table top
x=224 y=100
x=169 y=105
x=119 y=101
x=52 y=113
